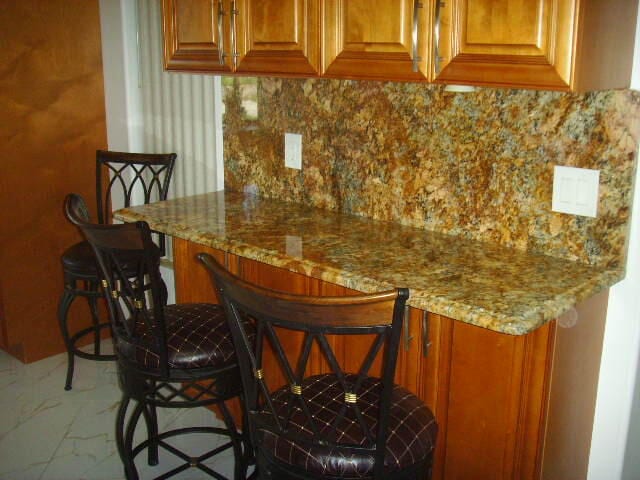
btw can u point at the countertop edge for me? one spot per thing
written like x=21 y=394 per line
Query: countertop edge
x=536 y=317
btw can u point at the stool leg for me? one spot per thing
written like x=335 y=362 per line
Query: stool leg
x=262 y=468
x=120 y=419
x=240 y=464
x=95 y=316
x=151 y=418
x=63 y=309
x=249 y=454
x=129 y=466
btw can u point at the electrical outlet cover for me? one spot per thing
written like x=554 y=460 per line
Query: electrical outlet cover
x=293 y=150
x=575 y=191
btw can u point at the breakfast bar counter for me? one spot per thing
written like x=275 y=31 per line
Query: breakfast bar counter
x=495 y=287
x=502 y=345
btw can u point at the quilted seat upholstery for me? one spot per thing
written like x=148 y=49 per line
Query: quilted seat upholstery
x=412 y=428
x=197 y=336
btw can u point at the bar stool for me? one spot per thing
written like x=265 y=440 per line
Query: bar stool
x=168 y=356
x=128 y=175
x=339 y=424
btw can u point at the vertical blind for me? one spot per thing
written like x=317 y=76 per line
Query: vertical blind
x=181 y=112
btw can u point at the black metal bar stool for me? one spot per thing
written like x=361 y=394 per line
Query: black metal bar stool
x=168 y=356
x=341 y=424
x=131 y=176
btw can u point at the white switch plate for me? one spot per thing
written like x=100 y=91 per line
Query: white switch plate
x=575 y=191
x=293 y=245
x=293 y=150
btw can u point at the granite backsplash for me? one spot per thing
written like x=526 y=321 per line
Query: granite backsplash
x=477 y=164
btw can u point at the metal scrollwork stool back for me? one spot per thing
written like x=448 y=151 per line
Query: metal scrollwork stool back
x=339 y=424
x=130 y=177
x=168 y=356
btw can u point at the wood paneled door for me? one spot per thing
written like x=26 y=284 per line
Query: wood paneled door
x=278 y=36
x=53 y=121
x=515 y=42
x=548 y=44
x=377 y=39
x=194 y=33
x=273 y=37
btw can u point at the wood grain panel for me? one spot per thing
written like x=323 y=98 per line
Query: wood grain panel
x=192 y=281
x=574 y=385
x=549 y=44
x=514 y=27
x=519 y=39
x=193 y=284
x=285 y=281
x=278 y=36
x=52 y=99
x=373 y=39
x=192 y=39
x=497 y=386
x=605 y=46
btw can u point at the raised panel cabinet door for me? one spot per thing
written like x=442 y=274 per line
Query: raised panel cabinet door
x=377 y=39
x=494 y=418
x=277 y=36
x=521 y=43
x=195 y=35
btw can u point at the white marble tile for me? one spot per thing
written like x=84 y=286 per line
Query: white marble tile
x=88 y=448
x=47 y=433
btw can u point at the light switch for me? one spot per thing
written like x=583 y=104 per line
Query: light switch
x=575 y=191
x=293 y=246
x=293 y=150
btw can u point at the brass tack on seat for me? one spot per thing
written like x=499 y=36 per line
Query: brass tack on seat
x=296 y=389
x=350 y=397
x=258 y=374
x=139 y=304
x=104 y=283
x=115 y=294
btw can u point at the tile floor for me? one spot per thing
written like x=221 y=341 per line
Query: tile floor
x=47 y=433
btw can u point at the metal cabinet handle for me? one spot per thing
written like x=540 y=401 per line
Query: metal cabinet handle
x=407 y=337
x=234 y=37
x=436 y=37
x=426 y=343
x=221 y=14
x=414 y=35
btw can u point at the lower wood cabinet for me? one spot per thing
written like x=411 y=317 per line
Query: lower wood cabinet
x=508 y=407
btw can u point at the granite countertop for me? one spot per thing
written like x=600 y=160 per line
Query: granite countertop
x=498 y=288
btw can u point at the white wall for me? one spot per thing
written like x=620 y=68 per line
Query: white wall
x=619 y=365
x=123 y=102
x=121 y=72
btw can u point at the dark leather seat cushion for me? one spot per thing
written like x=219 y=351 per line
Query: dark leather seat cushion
x=197 y=336
x=412 y=429
x=80 y=259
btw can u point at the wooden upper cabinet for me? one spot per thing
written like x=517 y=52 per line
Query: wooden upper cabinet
x=278 y=36
x=377 y=39
x=574 y=45
x=246 y=36
x=547 y=44
x=194 y=35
